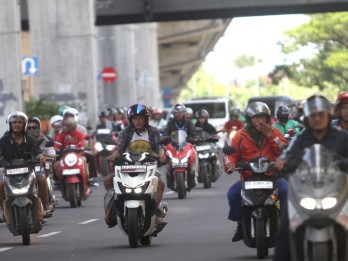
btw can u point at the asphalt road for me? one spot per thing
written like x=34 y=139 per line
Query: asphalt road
x=197 y=229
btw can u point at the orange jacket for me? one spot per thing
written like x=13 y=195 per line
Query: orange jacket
x=247 y=149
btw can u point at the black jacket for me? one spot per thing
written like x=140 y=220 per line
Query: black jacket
x=207 y=127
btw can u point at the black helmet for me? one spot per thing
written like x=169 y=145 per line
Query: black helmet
x=103 y=114
x=202 y=113
x=179 y=108
x=36 y=120
x=111 y=111
x=235 y=112
x=282 y=112
x=316 y=103
x=257 y=108
x=138 y=109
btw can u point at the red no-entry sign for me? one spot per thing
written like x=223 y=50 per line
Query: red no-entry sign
x=109 y=74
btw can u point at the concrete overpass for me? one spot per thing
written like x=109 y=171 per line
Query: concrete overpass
x=64 y=36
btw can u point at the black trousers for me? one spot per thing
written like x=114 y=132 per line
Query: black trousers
x=92 y=167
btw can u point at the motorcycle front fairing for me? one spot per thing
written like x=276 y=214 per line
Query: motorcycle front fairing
x=317 y=204
x=20 y=191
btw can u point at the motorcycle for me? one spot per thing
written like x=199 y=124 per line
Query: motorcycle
x=207 y=154
x=317 y=204
x=104 y=146
x=260 y=205
x=23 y=209
x=71 y=167
x=180 y=173
x=135 y=184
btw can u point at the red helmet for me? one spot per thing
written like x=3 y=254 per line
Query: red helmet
x=342 y=98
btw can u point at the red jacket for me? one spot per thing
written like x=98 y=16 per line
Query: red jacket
x=76 y=138
x=246 y=147
x=238 y=123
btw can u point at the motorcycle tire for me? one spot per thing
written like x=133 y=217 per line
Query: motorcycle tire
x=260 y=238
x=180 y=185
x=23 y=217
x=205 y=177
x=321 y=251
x=104 y=166
x=132 y=227
x=71 y=189
x=145 y=241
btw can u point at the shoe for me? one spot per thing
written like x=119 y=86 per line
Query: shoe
x=2 y=219
x=238 y=235
x=87 y=193
x=47 y=214
x=159 y=221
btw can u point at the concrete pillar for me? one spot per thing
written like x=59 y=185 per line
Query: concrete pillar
x=63 y=37
x=147 y=65
x=10 y=60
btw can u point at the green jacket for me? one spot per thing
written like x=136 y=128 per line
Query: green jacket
x=291 y=124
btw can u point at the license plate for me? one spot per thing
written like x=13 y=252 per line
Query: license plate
x=37 y=168
x=71 y=171
x=203 y=147
x=180 y=165
x=17 y=171
x=133 y=169
x=258 y=185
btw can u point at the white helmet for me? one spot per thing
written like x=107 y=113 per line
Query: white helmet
x=73 y=112
x=55 y=119
x=14 y=115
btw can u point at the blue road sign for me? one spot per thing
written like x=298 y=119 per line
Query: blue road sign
x=30 y=65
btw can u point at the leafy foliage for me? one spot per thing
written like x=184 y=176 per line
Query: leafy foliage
x=41 y=109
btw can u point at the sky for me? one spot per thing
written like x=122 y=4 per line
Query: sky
x=253 y=36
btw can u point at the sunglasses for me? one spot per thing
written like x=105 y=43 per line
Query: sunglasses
x=31 y=127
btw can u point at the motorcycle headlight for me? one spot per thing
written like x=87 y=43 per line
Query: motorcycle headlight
x=184 y=160
x=98 y=146
x=24 y=189
x=308 y=203
x=175 y=160
x=70 y=159
x=328 y=202
x=110 y=147
x=203 y=156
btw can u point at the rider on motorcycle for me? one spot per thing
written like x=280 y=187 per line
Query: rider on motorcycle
x=179 y=122
x=56 y=124
x=139 y=136
x=202 y=117
x=234 y=121
x=70 y=135
x=341 y=109
x=189 y=115
x=17 y=144
x=318 y=129
x=258 y=139
x=284 y=124
x=105 y=123
x=157 y=120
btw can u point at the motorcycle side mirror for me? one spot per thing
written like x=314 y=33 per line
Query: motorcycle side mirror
x=165 y=140
x=228 y=150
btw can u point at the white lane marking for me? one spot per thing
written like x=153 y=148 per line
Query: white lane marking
x=5 y=248
x=50 y=234
x=169 y=192
x=88 y=221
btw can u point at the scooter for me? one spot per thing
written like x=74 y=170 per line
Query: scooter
x=23 y=209
x=135 y=184
x=260 y=205
x=71 y=168
x=208 y=160
x=180 y=173
x=318 y=207
x=104 y=146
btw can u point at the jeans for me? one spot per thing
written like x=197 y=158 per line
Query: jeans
x=234 y=198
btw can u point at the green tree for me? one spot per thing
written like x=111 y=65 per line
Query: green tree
x=41 y=109
x=327 y=36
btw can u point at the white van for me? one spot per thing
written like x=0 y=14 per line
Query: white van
x=218 y=108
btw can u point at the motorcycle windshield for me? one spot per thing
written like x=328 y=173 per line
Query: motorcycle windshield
x=179 y=138
x=318 y=167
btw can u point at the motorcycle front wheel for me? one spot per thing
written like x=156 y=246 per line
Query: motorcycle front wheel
x=205 y=177
x=104 y=166
x=260 y=239
x=132 y=227
x=24 y=225
x=180 y=185
x=321 y=251
x=71 y=189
